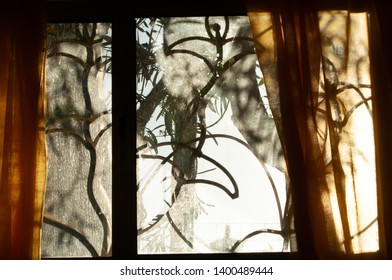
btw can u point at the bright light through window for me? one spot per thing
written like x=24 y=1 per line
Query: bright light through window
x=210 y=166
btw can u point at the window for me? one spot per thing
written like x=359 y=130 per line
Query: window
x=136 y=223
x=194 y=196
x=79 y=145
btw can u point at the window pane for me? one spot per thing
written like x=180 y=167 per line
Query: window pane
x=346 y=64
x=77 y=214
x=209 y=162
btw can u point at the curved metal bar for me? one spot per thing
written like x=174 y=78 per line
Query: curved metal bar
x=356 y=88
x=72 y=231
x=233 y=195
x=257 y=232
x=169 y=48
x=177 y=230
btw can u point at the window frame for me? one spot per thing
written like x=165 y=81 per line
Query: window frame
x=121 y=15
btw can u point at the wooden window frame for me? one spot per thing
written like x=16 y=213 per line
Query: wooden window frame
x=121 y=15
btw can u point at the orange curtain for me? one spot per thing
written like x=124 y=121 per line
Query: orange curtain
x=316 y=69
x=381 y=69
x=22 y=128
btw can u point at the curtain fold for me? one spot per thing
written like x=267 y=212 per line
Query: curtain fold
x=317 y=74
x=381 y=69
x=22 y=128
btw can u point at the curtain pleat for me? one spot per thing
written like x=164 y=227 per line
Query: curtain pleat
x=381 y=69
x=22 y=129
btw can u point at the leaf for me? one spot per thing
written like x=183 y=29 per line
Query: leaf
x=261 y=82
x=169 y=124
x=163 y=109
x=211 y=106
x=152 y=140
x=223 y=105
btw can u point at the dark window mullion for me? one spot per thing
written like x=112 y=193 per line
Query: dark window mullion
x=124 y=142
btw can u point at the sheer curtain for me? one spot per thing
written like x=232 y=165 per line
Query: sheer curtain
x=328 y=98
x=22 y=133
